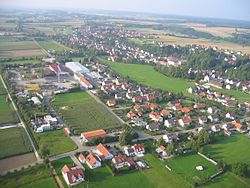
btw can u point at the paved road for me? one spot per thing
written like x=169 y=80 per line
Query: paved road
x=21 y=121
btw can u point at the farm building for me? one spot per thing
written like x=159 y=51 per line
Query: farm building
x=76 y=67
x=58 y=69
x=92 y=134
x=73 y=176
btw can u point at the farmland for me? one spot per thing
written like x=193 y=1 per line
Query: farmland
x=56 y=141
x=23 y=62
x=145 y=74
x=14 y=141
x=37 y=176
x=185 y=166
x=82 y=113
x=51 y=45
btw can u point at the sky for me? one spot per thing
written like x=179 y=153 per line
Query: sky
x=229 y=9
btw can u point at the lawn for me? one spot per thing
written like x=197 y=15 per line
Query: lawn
x=82 y=113
x=52 y=45
x=145 y=74
x=56 y=141
x=185 y=166
x=37 y=176
x=227 y=180
x=14 y=141
x=232 y=149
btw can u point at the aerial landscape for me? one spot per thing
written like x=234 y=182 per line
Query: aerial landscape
x=128 y=94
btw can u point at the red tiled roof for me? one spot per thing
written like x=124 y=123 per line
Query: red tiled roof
x=81 y=156
x=178 y=106
x=86 y=82
x=152 y=106
x=186 y=120
x=101 y=148
x=237 y=125
x=91 y=159
x=199 y=106
x=164 y=112
x=91 y=134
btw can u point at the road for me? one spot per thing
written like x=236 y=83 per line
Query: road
x=21 y=121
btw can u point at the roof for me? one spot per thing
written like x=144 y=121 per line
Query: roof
x=76 y=67
x=138 y=147
x=164 y=112
x=186 y=109
x=81 y=156
x=237 y=125
x=102 y=149
x=131 y=114
x=178 y=106
x=111 y=101
x=90 y=159
x=136 y=107
x=65 y=169
x=152 y=105
x=186 y=120
x=199 y=106
x=86 y=82
x=91 y=134
x=73 y=173
x=162 y=148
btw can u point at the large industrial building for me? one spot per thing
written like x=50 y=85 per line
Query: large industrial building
x=76 y=67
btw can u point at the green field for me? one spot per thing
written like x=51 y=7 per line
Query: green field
x=37 y=176
x=23 y=62
x=227 y=180
x=185 y=167
x=56 y=141
x=14 y=141
x=52 y=45
x=18 y=45
x=156 y=177
x=82 y=113
x=145 y=74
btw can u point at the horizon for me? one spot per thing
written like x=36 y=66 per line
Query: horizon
x=193 y=8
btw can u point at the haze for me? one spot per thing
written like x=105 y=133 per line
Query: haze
x=229 y=9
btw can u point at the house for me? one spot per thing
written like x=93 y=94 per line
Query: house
x=215 y=128
x=81 y=158
x=238 y=126
x=152 y=106
x=73 y=176
x=169 y=123
x=136 y=149
x=131 y=115
x=111 y=102
x=167 y=138
x=122 y=160
x=186 y=121
x=202 y=120
x=164 y=113
x=153 y=127
x=177 y=106
x=161 y=150
x=199 y=106
x=231 y=115
x=137 y=99
x=85 y=83
x=186 y=110
x=103 y=152
x=92 y=134
x=155 y=116
x=212 y=110
x=92 y=162
x=213 y=118
x=228 y=127
x=136 y=107
x=50 y=120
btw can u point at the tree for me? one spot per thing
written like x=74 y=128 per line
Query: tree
x=170 y=149
x=127 y=135
x=45 y=152
x=222 y=165
x=240 y=169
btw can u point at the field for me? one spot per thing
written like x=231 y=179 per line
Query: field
x=24 y=62
x=145 y=74
x=52 y=45
x=56 y=141
x=155 y=177
x=185 y=167
x=14 y=141
x=37 y=176
x=82 y=113
x=232 y=149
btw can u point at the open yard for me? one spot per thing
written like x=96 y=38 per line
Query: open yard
x=82 y=113
x=56 y=141
x=145 y=74
x=14 y=141
x=185 y=166
x=37 y=176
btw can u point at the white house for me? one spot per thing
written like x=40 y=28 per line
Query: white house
x=137 y=149
x=92 y=162
x=73 y=176
x=103 y=152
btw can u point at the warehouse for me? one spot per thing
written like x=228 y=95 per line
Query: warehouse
x=76 y=67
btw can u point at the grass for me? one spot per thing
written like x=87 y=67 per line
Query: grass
x=185 y=166
x=18 y=45
x=7 y=113
x=56 y=141
x=82 y=113
x=23 y=62
x=14 y=141
x=228 y=180
x=145 y=74
x=37 y=176
x=51 y=45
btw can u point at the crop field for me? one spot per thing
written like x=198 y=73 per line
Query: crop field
x=52 y=45
x=37 y=176
x=18 y=45
x=185 y=166
x=14 y=141
x=145 y=74
x=23 y=62
x=82 y=113
x=56 y=141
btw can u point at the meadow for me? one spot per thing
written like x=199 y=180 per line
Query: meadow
x=14 y=141
x=145 y=74
x=37 y=176
x=51 y=45
x=18 y=45
x=56 y=141
x=185 y=166
x=23 y=62
x=82 y=113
